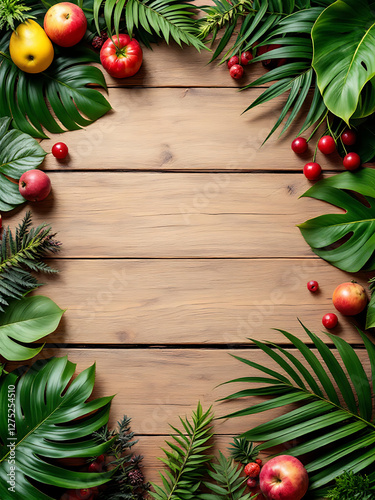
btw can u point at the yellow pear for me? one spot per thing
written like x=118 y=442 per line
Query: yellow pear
x=30 y=48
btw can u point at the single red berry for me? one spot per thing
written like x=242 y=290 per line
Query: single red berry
x=313 y=286
x=100 y=458
x=84 y=494
x=95 y=467
x=352 y=161
x=232 y=61
x=299 y=145
x=246 y=57
x=259 y=462
x=251 y=482
x=60 y=150
x=327 y=145
x=349 y=137
x=252 y=469
x=312 y=171
x=330 y=320
x=236 y=71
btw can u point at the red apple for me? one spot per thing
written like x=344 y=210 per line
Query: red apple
x=349 y=298
x=65 y=23
x=283 y=478
x=34 y=185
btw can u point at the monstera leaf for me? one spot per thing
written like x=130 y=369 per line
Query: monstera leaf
x=35 y=101
x=344 y=43
x=49 y=418
x=18 y=153
x=346 y=240
x=27 y=320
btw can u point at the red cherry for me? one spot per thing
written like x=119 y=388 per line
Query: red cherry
x=60 y=150
x=236 y=71
x=251 y=482
x=349 y=137
x=95 y=467
x=330 y=320
x=299 y=145
x=246 y=57
x=84 y=494
x=232 y=61
x=313 y=286
x=352 y=161
x=100 y=458
x=312 y=171
x=327 y=145
x=259 y=462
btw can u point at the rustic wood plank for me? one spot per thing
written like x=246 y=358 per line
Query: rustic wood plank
x=178 y=215
x=191 y=301
x=175 y=66
x=155 y=386
x=183 y=129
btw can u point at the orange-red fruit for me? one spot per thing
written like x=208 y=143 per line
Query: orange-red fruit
x=65 y=23
x=349 y=298
x=232 y=61
x=252 y=470
x=236 y=71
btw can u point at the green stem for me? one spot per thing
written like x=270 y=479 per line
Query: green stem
x=316 y=128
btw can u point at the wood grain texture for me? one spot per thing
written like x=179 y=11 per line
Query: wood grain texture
x=183 y=129
x=155 y=386
x=178 y=215
x=191 y=301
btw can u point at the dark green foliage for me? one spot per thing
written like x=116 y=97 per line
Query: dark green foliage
x=228 y=483
x=127 y=482
x=186 y=458
x=350 y=486
x=370 y=315
x=20 y=255
x=242 y=450
x=54 y=419
x=335 y=407
x=150 y=20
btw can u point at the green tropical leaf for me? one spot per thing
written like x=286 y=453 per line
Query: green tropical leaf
x=343 y=433
x=25 y=321
x=18 y=153
x=52 y=420
x=167 y=19
x=228 y=483
x=186 y=458
x=370 y=314
x=343 y=39
x=58 y=99
x=345 y=240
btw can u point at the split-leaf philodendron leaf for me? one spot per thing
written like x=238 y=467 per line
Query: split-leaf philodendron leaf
x=345 y=240
x=18 y=153
x=53 y=420
x=25 y=321
x=343 y=40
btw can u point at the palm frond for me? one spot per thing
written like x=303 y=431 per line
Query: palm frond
x=186 y=458
x=228 y=483
x=152 y=19
x=336 y=409
x=57 y=99
x=20 y=255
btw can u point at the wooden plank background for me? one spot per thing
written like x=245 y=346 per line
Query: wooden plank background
x=180 y=243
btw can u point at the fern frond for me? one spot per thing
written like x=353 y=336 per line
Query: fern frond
x=351 y=486
x=21 y=254
x=12 y=13
x=228 y=485
x=242 y=450
x=186 y=458
x=336 y=407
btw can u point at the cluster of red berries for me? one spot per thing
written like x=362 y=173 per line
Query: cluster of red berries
x=252 y=471
x=329 y=320
x=234 y=66
x=327 y=146
x=87 y=493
